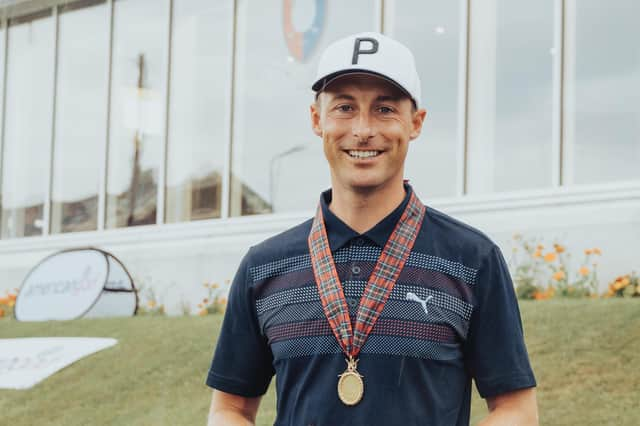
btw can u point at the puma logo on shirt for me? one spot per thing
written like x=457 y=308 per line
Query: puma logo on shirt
x=415 y=298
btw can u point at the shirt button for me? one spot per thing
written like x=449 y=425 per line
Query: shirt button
x=355 y=270
x=359 y=241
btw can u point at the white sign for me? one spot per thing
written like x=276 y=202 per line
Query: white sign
x=26 y=362
x=76 y=283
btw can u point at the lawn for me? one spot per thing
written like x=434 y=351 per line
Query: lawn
x=586 y=356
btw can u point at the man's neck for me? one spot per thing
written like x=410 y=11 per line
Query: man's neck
x=362 y=210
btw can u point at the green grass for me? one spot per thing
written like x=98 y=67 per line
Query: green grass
x=586 y=356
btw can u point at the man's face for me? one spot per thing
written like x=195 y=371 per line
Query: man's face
x=366 y=124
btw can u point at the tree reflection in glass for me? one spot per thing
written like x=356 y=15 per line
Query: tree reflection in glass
x=137 y=111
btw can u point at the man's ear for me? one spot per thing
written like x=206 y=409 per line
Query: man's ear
x=315 y=119
x=417 y=121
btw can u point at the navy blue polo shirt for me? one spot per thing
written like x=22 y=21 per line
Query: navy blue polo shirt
x=452 y=316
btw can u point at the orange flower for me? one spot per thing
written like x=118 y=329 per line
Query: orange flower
x=4 y=300
x=550 y=257
x=544 y=295
x=537 y=254
x=597 y=251
x=584 y=271
x=588 y=252
x=540 y=247
x=1 y=313
x=559 y=275
x=12 y=296
x=559 y=248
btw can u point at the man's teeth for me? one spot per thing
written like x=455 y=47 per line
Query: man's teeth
x=363 y=154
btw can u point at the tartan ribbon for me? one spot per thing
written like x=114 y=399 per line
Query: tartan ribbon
x=379 y=286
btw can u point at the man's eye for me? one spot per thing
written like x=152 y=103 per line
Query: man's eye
x=385 y=110
x=344 y=108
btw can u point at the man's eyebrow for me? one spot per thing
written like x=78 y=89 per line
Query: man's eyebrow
x=389 y=98
x=342 y=97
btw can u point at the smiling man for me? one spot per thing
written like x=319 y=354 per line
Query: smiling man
x=379 y=310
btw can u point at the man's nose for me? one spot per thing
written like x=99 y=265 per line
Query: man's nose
x=363 y=127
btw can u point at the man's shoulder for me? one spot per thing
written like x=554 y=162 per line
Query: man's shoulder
x=287 y=244
x=455 y=236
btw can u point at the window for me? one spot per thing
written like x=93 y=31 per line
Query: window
x=137 y=121
x=199 y=108
x=81 y=112
x=602 y=91
x=27 y=123
x=277 y=52
x=431 y=29
x=510 y=107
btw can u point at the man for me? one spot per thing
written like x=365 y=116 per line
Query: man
x=379 y=311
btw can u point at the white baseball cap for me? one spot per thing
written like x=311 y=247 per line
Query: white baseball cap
x=370 y=53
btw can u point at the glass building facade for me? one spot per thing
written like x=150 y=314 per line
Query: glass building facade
x=123 y=113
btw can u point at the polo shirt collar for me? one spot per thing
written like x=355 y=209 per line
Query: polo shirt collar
x=339 y=233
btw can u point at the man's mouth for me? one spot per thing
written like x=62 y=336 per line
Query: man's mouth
x=363 y=154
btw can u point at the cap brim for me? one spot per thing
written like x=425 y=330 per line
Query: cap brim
x=325 y=81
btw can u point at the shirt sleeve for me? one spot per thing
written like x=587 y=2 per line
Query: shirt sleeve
x=495 y=352
x=242 y=361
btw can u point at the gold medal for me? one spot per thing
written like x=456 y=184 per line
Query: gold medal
x=350 y=384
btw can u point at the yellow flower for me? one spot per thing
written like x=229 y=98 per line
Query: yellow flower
x=550 y=257
x=588 y=252
x=537 y=254
x=584 y=271
x=11 y=303
x=202 y=312
x=214 y=285
x=625 y=282
x=597 y=251
x=151 y=304
x=559 y=248
x=559 y=275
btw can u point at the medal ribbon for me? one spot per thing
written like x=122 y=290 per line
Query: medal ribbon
x=391 y=261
